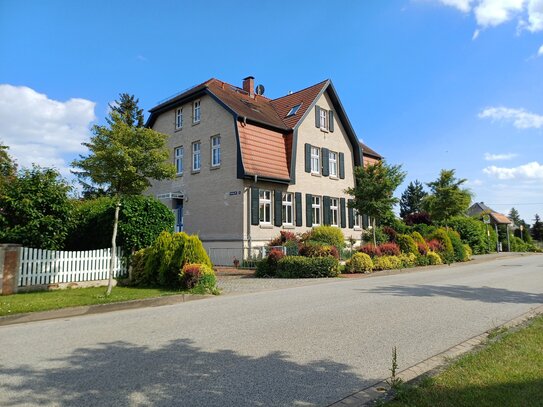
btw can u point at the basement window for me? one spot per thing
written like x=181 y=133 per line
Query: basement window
x=294 y=110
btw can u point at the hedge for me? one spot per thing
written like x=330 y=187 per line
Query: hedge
x=407 y=244
x=307 y=267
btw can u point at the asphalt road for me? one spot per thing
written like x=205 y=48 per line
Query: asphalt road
x=309 y=345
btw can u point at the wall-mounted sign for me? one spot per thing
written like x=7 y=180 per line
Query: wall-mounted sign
x=232 y=193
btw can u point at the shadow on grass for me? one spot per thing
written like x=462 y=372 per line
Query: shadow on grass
x=526 y=393
x=178 y=374
x=483 y=294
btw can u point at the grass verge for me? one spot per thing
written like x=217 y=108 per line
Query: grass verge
x=50 y=300
x=508 y=371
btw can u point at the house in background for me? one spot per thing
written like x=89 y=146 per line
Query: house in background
x=495 y=219
x=248 y=166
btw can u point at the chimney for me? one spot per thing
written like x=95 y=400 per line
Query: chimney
x=249 y=86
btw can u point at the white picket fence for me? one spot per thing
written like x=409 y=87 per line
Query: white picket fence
x=52 y=266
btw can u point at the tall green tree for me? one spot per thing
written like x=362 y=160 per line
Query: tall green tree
x=8 y=167
x=514 y=216
x=411 y=200
x=447 y=198
x=122 y=158
x=35 y=209
x=127 y=108
x=537 y=228
x=373 y=194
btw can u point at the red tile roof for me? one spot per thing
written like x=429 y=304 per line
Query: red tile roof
x=367 y=151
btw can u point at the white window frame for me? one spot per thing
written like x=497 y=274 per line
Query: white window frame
x=196 y=112
x=334 y=212
x=357 y=221
x=215 y=151
x=178 y=154
x=196 y=156
x=315 y=160
x=264 y=207
x=316 y=209
x=332 y=163
x=323 y=119
x=179 y=118
x=287 y=209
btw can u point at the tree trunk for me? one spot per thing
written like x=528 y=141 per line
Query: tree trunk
x=374 y=238
x=113 y=248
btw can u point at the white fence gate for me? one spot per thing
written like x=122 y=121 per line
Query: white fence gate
x=52 y=266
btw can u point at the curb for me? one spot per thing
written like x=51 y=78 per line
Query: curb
x=369 y=395
x=99 y=308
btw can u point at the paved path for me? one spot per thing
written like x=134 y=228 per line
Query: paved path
x=307 y=345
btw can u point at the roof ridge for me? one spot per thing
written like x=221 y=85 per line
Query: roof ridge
x=301 y=90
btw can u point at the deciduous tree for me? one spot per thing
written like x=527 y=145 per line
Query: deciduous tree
x=447 y=198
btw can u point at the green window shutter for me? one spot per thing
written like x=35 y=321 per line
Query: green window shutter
x=308 y=210
x=325 y=162
x=317 y=117
x=298 y=203
x=307 y=157
x=365 y=221
x=341 y=165
x=351 y=214
x=278 y=208
x=331 y=121
x=326 y=210
x=343 y=214
x=255 y=215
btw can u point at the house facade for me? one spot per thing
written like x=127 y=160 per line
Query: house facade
x=248 y=166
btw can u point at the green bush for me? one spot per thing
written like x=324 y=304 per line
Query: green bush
x=141 y=220
x=468 y=252
x=328 y=235
x=137 y=262
x=408 y=260
x=387 y=263
x=434 y=259
x=307 y=267
x=474 y=232
x=417 y=237
x=423 y=229
x=359 y=263
x=442 y=237
x=407 y=244
x=458 y=246
x=422 y=260
x=263 y=269
x=199 y=278
x=173 y=260
x=380 y=236
x=194 y=252
x=157 y=255
x=314 y=249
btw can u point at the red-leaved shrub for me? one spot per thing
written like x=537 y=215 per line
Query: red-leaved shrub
x=371 y=250
x=389 y=249
x=391 y=233
x=191 y=275
x=317 y=250
x=284 y=236
x=418 y=218
x=423 y=249
x=435 y=245
x=273 y=258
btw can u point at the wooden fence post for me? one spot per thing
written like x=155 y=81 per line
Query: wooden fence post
x=10 y=267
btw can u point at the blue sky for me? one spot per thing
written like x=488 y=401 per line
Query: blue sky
x=429 y=84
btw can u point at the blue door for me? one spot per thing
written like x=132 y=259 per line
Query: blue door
x=179 y=217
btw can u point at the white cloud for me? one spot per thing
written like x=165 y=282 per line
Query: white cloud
x=491 y=13
x=520 y=118
x=475 y=183
x=499 y=157
x=529 y=171
x=540 y=52
x=41 y=130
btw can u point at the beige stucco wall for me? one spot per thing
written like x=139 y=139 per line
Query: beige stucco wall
x=213 y=204
x=307 y=183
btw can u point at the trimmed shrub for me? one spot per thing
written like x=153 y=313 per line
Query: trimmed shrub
x=328 y=235
x=199 y=278
x=422 y=248
x=407 y=244
x=173 y=261
x=389 y=249
x=467 y=252
x=422 y=260
x=408 y=260
x=359 y=263
x=387 y=263
x=263 y=269
x=458 y=246
x=434 y=258
x=447 y=252
x=194 y=252
x=370 y=250
x=317 y=250
x=273 y=258
x=158 y=254
x=307 y=267
x=417 y=237
x=434 y=245
x=137 y=262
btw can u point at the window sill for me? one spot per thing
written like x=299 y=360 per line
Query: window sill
x=334 y=177
x=178 y=130
x=195 y=171
x=266 y=226
x=289 y=226
x=316 y=174
x=179 y=175
x=324 y=129
x=196 y=123
x=357 y=228
x=215 y=167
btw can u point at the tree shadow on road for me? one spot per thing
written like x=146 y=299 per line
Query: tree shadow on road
x=177 y=374
x=483 y=294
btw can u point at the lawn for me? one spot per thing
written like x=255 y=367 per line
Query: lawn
x=506 y=372
x=49 y=300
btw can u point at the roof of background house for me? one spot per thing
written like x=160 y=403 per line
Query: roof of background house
x=479 y=207
x=270 y=113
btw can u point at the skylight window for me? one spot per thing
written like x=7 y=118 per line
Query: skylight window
x=294 y=110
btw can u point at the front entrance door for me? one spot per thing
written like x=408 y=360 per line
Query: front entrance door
x=179 y=215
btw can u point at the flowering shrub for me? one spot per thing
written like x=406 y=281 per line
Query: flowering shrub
x=370 y=250
x=389 y=249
